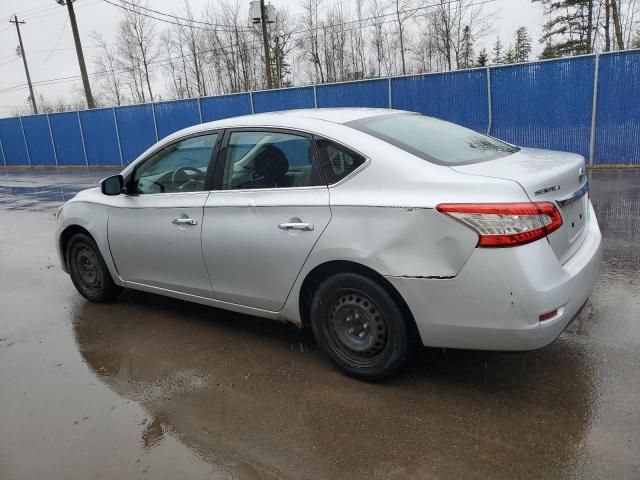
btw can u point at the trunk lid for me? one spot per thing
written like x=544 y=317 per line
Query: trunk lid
x=545 y=175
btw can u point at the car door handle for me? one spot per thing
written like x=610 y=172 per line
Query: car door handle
x=305 y=227
x=184 y=221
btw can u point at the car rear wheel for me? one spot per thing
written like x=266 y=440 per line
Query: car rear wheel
x=360 y=326
x=88 y=271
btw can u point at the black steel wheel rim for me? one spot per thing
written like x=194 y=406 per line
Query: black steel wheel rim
x=356 y=327
x=88 y=268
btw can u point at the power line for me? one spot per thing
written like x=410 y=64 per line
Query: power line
x=164 y=62
x=322 y=27
x=45 y=11
x=167 y=61
x=66 y=20
x=56 y=10
x=28 y=11
x=137 y=11
x=9 y=61
x=47 y=50
x=176 y=17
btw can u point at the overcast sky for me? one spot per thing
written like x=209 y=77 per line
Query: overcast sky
x=47 y=28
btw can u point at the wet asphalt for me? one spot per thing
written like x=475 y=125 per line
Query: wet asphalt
x=150 y=387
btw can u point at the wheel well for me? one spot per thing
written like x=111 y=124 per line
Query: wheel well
x=325 y=270
x=66 y=235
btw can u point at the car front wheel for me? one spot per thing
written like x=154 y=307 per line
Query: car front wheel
x=88 y=271
x=360 y=326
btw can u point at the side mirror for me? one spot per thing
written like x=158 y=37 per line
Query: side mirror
x=112 y=185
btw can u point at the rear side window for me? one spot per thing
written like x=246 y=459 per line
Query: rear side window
x=269 y=160
x=434 y=140
x=337 y=161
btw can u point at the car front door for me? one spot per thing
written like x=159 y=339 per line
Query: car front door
x=269 y=208
x=154 y=229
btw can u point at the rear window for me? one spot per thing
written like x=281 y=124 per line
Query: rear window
x=337 y=161
x=434 y=140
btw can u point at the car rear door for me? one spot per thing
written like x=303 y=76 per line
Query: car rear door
x=269 y=208
x=154 y=230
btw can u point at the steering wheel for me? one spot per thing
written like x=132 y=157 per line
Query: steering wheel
x=188 y=177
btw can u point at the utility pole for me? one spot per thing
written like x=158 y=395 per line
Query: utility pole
x=24 y=60
x=76 y=39
x=265 y=41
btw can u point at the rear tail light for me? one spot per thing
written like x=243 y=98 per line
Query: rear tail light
x=505 y=224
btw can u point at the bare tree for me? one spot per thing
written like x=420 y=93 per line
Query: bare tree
x=60 y=104
x=442 y=28
x=335 y=45
x=217 y=50
x=617 y=25
x=455 y=21
x=177 y=84
x=190 y=37
x=107 y=72
x=129 y=64
x=630 y=22
x=232 y=53
x=426 y=54
x=137 y=46
x=359 y=45
x=310 y=45
x=281 y=45
x=376 y=9
x=403 y=11
x=617 y=17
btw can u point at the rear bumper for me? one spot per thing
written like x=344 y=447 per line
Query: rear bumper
x=495 y=301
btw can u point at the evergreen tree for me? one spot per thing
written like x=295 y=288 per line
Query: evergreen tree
x=510 y=56
x=522 y=48
x=550 y=51
x=483 y=58
x=570 y=27
x=497 y=51
x=466 y=52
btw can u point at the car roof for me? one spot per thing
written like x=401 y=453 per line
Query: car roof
x=315 y=117
x=334 y=115
x=312 y=119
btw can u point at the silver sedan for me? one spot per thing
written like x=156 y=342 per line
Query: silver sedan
x=380 y=229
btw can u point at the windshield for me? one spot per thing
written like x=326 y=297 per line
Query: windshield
x=434 y=140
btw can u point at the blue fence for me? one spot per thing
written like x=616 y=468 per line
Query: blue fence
x=588 y=104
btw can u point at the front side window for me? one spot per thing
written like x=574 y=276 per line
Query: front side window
x=434 y=140
x=179 y=167
x=269 y=160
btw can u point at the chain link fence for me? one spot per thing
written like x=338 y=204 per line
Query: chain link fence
x=588 y=105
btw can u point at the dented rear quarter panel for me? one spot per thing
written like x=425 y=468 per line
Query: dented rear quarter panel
x=384 y=218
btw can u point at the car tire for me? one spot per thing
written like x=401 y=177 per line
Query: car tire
x=88 y=271
x=360 y=326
